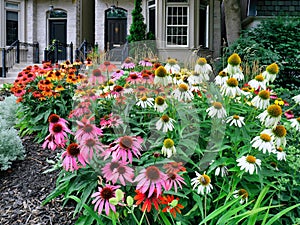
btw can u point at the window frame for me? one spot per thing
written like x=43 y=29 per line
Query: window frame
x=13 y=10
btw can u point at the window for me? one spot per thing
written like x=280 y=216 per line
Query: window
x=12 y=22
x=151 y=17
x=177 y=25
x=204 y=25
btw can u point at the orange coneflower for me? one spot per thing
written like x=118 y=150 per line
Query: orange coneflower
x=47 y=92
x=59 y=88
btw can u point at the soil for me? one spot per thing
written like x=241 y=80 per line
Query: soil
x=24 y=186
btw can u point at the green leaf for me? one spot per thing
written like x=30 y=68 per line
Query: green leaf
x=281 y=213
x=164 y=218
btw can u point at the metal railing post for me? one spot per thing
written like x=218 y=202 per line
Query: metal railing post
x=56 y=52
x=3 y=62
x=71 y=52
x=46 y=54
x=85 y=49
x=77 y=53
x=18 y=52
x=36 y=52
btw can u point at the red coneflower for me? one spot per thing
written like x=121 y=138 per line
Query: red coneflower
x=147 y=199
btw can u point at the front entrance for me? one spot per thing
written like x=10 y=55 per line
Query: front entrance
x=58 y=32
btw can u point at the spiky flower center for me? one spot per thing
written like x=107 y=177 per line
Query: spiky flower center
x=259 y=78
x=133 y=76
x=204 y=180
x=96 y=73
x=272 y=69
x=126 y=142
x=223 y=74
x=172 y=61
x=232 y=82
x=217 y=105
x=183 y=87
x=161 y=72
x=121 y=170
x=202 y=61
x=127 y=60
x=274 y=110
x=279 y=131
x=165 y=118
x=57 y=128
x=113 y=165
x=243 y=193
x=265 y=137
x=251 y=159
x=273 y=164
x=118 y=88
x=159 y=100
x=298 y=119
x=234 y=59
x=280 y=149
x=106 y=63
x=152 y=173
x=88 y=128
x=235 y=117
x=168 y=143
x=264 y=94
x=73 y=149
x=106 y=193
x=53 y=118
x=144 y=98
x=172 y=176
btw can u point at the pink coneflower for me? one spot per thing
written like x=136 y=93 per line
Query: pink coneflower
x=110 y=121
x=133 y=78
x=70 y=155
x=174 y=167
x=87 y=130
x=145 y=62
x=128 y=64
x=82 y=109
x=59 y=132
x=89 y=146
x=174 y=180
x=54 y=118
x=97 y=77
x=147 y=77
x=117 y=74
x=150 y=179
x=102 y=198
x=124 y=148
x=118 y=170
x=51 y=144
x=107 y=67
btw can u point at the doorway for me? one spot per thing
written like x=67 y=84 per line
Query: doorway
x=58 y=32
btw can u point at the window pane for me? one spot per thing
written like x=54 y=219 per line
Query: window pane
x=12 y=5
x=11 y=27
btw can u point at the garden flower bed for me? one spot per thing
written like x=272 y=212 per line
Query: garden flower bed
x=154 y=143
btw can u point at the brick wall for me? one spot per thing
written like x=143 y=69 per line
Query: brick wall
x=278 y=8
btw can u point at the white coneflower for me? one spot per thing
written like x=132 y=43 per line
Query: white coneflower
x=216 y=110
x=194 y=79
x=233 y=67
x=262 y=100
x=241 y=193
x=296 y=99
x=221 y=78
x=165 y=123
x=177 y=79
x=168 y=148
x=161 y=76
x=271 y=72
x=281 y=155
x=249 y=163
x=258 y=82
x=203 y=69
x=231 y=88
x=182 y=93
x=145 y=102
x=278 y=133
x=221 y=170
x=263 y=143
x=202 y=183
x=271 y=116
x=295 y=123
x=235 y=120
x=172 y=66
x=160 y=104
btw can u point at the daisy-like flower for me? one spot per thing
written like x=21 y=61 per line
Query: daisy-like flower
x=296 y=99
x=51 y=144
x=249 y=163
x=203 y=69
x=150 y=179
x=102 y=197
x=271 y=116
x=281 y=155
x=231 y=88
x=59 y=132
x=165 y=123
x=233 y=67
x=87 y=130
x=172 y=66
x=221 y=170
x=54 y=118
x=70 y=155
x=145 y=62
x=236 y=120
x=172 y=205
x=124 y=148
x=118 y=170
x=295 y=123
x=174 y=167
x=117 y=75
x=89 y=146
x=160 y=104
x=271 y=72
x=148 y=200
x=110 y=121
x=216 y=110
x=128 y=63
x=241 y=193
x=174 y=180
x=161 y=76
x=97 y=77
x=182 y=93
x=264 y=143
x=221 y=78
x=168 y=148
x=262 y=100
x=145 y=102
x=133 y=78
x=258 y=82
x=202 y=182
x=278 y=133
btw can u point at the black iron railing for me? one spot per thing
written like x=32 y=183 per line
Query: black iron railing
x=84 y=48
x=58 y=51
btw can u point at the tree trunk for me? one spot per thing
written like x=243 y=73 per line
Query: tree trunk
x=233 y=21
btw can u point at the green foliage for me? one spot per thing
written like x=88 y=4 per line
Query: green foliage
x=8 y=109
x=138 y=27
x=275 y=40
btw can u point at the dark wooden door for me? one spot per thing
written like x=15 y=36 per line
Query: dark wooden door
x=116 y=32
x=58 y=31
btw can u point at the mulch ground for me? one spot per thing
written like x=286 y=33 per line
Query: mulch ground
x=24 y=187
